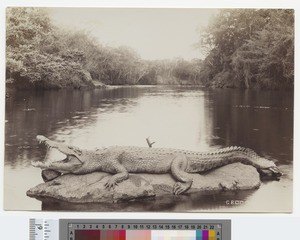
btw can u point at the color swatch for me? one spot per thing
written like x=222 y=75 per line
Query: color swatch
x=205 y=235
x=87 y=234
x=138 y=235
x=145 y=235
x=173 y=235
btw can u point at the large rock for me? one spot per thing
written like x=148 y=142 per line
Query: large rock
x=90 y=188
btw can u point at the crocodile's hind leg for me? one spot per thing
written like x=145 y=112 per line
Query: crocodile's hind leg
x=178 y=167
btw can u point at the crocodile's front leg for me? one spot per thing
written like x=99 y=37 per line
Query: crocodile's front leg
x=120 y=171
x=113 y=165
x=178 y=167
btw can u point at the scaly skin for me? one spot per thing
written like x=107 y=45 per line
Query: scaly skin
x=121 y=161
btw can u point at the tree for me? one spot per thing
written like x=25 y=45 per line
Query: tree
x=37 y=54
x=42 y=55
x=255 y=47
x=26 y=30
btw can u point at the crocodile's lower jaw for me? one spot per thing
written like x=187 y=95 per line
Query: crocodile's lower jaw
x=49 y=175
x=52 y=155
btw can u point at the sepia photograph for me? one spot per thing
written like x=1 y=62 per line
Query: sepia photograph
x=149 y=109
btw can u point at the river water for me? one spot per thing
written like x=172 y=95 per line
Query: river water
x=175 y=117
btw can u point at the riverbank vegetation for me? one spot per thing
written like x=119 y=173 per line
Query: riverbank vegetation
x=41 y=55
x=245 y=48
x=249 y=48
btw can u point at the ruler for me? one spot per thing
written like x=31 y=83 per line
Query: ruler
x=43 y=229
x=78 y=229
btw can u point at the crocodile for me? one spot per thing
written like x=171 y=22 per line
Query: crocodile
x=122 y=160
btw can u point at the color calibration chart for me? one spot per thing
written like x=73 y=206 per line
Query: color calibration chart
x=92 y=229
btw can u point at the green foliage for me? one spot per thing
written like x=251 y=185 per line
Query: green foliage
x=26 y=26
x=44 y=56
x=121 y=66
x=37 y=55
x=255 y=47
x=187 y=70
x=176 y=71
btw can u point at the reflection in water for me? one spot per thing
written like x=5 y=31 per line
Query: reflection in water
x=177 y=117
x=259 y=120
x=51 y=112
x=170 y=203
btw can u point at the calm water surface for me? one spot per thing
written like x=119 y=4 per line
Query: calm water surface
x=177 y=117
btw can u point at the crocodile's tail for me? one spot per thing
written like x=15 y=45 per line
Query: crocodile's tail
x=210 y=160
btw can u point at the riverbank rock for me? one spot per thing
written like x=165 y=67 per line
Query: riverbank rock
x=90 y=188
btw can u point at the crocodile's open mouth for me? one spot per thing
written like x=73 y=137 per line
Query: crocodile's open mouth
x=53 y=154
x=59 y=157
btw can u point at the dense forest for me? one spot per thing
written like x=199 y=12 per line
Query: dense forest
x=245 y=48
x=249 y=49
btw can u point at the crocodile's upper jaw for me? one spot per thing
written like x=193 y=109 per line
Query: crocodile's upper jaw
x=59 y=157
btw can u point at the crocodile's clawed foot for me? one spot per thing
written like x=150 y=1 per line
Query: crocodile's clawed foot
x=180 y=187
x=110 y=184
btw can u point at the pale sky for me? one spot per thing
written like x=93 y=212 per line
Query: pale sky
x=153 y=33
